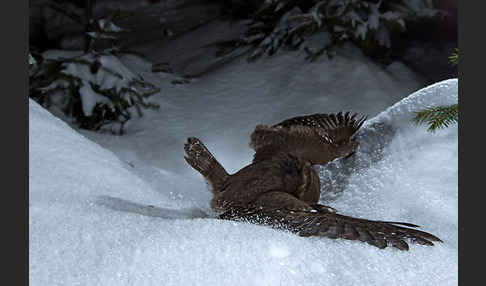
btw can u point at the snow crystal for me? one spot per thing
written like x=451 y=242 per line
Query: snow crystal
x=279 y=251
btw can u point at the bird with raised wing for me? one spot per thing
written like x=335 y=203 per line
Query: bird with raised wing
x=280 y=187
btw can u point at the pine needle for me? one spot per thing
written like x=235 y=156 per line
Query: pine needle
x=437 y=117
x=454 y=58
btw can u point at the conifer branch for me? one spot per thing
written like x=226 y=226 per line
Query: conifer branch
x=454 y=58
x=437 y=117
x=370 y=24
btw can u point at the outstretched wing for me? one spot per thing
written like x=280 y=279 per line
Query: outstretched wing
x=336 y=128
x=319 y=138
x=282 y=210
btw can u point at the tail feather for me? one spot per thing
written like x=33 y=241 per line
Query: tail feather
x=199 y=157
x=282 y=210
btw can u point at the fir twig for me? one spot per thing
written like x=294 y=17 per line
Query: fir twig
x=437 y=117
x=454 y=58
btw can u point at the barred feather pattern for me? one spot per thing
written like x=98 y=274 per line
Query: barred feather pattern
x=318 y=138
x=319 y=220
x=332 y=128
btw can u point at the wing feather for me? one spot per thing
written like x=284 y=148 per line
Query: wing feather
x=319 y=137
x=339 y=127
x=301 y=218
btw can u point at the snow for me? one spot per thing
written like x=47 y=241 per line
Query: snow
x=113 y=74
x=129 y=211
x=107 y=26
x=232 y=100
x=31 y=60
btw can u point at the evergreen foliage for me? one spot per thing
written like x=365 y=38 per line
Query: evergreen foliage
x=441 y=116
x=454 y=58
x=437 y=117
x=95 y=89
x=368 y=23
x=92 y=94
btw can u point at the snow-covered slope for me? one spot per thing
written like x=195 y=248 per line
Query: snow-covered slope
x=94 y=220
x=223 y=107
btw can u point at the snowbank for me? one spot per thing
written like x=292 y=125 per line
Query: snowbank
x=91 y=223
x=223 y=107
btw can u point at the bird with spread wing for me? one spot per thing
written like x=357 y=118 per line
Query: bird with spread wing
x=280 y=188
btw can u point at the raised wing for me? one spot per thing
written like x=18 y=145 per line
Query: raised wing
x=335 y=128
x=282 y=210
x=318 y=138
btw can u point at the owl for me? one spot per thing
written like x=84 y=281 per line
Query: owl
x=281 y=189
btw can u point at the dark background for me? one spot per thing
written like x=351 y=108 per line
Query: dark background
x=425 y=46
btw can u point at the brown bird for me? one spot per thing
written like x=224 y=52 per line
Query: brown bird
x=316 y=138
x=280 y=188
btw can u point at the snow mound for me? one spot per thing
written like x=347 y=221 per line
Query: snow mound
x=223 y=107
x=93 y=222
x=65 y=166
